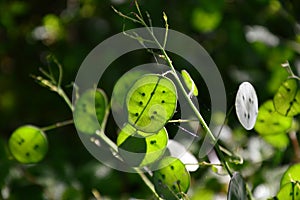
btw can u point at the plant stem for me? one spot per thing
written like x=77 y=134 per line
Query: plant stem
x=249 y=193
x=198 y=115
x=57 y=125
x=288 y=68
x=61 y=93
x=114 y=147
x=147 y=182
x=295 y=144
x=191 y=104
x=107 y=140
x=181 y=120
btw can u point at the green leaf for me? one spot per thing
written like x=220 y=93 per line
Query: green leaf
x=151 y=102
x=88 y=117
x=172 y=179
x=138 y=148
x=292 y=174
x=237 y=188
x=28 y=144
x=289 y=191
x=271 y=122
x=190 y=84
x=287 y=98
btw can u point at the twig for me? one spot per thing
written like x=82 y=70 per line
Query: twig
x=57 y=125
x=295 y=144
x=288 y=68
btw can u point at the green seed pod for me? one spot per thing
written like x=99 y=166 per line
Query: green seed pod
x=28 y=144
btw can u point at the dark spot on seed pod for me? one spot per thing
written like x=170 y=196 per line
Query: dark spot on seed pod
x=21 y=141
x=36 y=147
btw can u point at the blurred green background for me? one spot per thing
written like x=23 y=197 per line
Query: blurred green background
x=248 y=40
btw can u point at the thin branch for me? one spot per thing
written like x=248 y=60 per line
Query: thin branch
x=149 y=21
x=182 y=120
x=96 y=194
x=288 y=68
x=114 y=148
x=295 y=144
x=167 y=29
x=138 y=9
x=57 y=125
x=125 y=16
x=60 y=71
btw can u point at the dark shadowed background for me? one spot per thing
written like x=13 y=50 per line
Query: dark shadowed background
x=248 y=40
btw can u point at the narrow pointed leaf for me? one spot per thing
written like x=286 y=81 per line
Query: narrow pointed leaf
x=189 y=82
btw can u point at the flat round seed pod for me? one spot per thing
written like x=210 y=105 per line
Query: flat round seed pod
x=151 y=102
x=292 y=174
x=88 y=116
x=172 y=179
x=140 y=149
x=287 y=98
x=179 y=151
x=290 y=190
x=269 y=121
x=246 y=105
x=28 y=144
